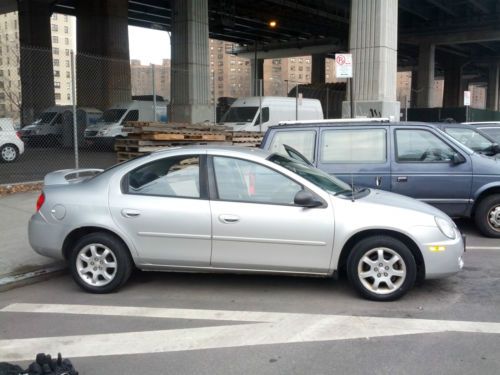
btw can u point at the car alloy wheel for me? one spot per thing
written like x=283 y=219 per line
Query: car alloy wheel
x=96 y=264
x=487 y=216
x=9 y=153
x=494 y=218
x=381 y=270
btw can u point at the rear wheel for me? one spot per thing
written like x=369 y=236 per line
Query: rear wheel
x=9 y=153
x=381 y=268
x=100 y=263
x=487 y=216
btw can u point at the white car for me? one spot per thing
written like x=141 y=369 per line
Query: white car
x=11 y=145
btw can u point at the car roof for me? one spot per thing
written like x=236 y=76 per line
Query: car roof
x=487 y=124
x=217 y=148
x=337 y=123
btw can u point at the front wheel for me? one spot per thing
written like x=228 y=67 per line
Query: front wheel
x=381 y=268
x=9 y=153
x=487 y=216
x=100 y=263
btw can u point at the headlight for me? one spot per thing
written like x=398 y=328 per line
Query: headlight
x=446 y=227
x=102 y=132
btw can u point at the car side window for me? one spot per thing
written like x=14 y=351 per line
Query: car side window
x=169 y=177
x=416 y=145
x=244 y=181
x=132 y=115
x=354 y=146
x=303 y=141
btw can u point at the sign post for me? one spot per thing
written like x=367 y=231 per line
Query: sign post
x=466 y=104
x=343 y=69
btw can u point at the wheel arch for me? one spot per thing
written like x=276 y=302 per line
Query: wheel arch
x=354 y=239
x=78 y=233
x=482 y=195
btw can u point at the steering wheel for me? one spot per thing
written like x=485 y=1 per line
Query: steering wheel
x=435 y=153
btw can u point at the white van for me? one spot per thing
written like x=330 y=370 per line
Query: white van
x=243 y=115
x=49 y=129
x=110 y=126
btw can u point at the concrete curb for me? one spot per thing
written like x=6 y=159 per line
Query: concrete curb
x=11 y=281
x=20 y=187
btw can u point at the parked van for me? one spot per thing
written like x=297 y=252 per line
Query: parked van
x=413 y=159
x=244 y=113
x=110 y=126
x=50 y=127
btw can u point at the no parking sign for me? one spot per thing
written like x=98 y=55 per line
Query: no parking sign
x=343 y=65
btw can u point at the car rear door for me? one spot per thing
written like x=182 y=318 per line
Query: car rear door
x=357 y=155
x=256 y=225
x=422 y=168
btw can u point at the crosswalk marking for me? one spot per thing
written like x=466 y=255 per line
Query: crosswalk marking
x=256 y=328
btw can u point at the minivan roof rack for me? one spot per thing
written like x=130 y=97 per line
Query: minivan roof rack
x=339 y=120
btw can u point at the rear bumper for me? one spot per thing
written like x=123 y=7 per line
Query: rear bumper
x=45 y=238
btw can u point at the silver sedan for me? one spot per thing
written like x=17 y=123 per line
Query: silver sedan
x=225 y=209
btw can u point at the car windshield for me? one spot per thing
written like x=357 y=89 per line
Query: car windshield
x=45 y=118
x=112 y=115
x=471 y=138
x=240 y=114
x=314 y=175
x=492 y=132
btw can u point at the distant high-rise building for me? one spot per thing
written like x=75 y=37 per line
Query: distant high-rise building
x=62 y=28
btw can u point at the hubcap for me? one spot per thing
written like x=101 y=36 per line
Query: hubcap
x=9 y=153
x=381 y=270
x=494 y=218
x=96 y=264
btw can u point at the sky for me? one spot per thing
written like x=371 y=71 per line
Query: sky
x=148 y=45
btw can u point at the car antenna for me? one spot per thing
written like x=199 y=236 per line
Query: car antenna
x=352 y=187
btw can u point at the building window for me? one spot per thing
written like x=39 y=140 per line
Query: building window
x=54 y=27
x=55 y=39
x=56 y=62
x=66 y=41
x=66 y=29
x=58 y=96
x=67 y=63
x=56 y=73
x=57 y=84
x=55 y=51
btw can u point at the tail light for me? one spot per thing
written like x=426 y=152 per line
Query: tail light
x=18 y=134
x=40 y=201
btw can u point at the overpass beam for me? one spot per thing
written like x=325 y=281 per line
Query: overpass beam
x=492 y=95
x=318 y=68
x=452 y=84
x=36 y=66
x=425 y=80
x=190 y=63
x=103 y=61
x=373 y=44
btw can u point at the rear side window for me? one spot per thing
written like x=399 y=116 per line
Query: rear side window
x=303 y=141
x=354 y=146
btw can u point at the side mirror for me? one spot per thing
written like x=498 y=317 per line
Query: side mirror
x=304 y=198
x=457 y=158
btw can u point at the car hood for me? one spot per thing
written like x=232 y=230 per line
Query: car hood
x=388 y=199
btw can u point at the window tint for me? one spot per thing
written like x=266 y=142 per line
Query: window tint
x=415 y=145
x=302 y=141
x=131 y=116
x=354 y=146
x=170 y=177
x=240 y=180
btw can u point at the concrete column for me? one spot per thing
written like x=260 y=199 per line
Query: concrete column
x=318 y=68
x=425 y=82
x=373 y=44
x=103 y=61
x=452 y=85
x=255 y=77
x=492 y=94
x=190 y=63
x=36 y=66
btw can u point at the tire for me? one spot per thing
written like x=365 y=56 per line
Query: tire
x=487 y=216
x=365 y=275
x=92 y=275
x=9 y=153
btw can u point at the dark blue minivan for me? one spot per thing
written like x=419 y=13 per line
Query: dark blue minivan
x=413 y=159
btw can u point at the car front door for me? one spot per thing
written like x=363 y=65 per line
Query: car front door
x=257 y=226
x=163 y=206
x=423 y=168
x=356 y=155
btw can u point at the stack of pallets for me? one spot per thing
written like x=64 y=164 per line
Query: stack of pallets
x=144 y=137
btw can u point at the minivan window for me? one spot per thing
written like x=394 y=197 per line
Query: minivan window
x=132 y=115
x=414 y=145
x=302 y=140
x=240 y=114
x=113 y=115
x=354 y=146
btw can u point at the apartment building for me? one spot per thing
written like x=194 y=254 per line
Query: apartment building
x=142 y=78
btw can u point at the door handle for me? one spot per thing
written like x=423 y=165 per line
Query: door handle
x=402 y=179
x=378 y=181
x=126 y=212
x=229 y=219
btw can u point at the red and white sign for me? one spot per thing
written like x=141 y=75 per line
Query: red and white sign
x=343 y=65
x=466 y=98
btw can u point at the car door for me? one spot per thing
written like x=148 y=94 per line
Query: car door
x=423 y=168
x=163 y=206
x=356 y=155
x=257 y=226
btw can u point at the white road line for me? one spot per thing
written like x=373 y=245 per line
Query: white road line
x=483 y=248
x=260 y=328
